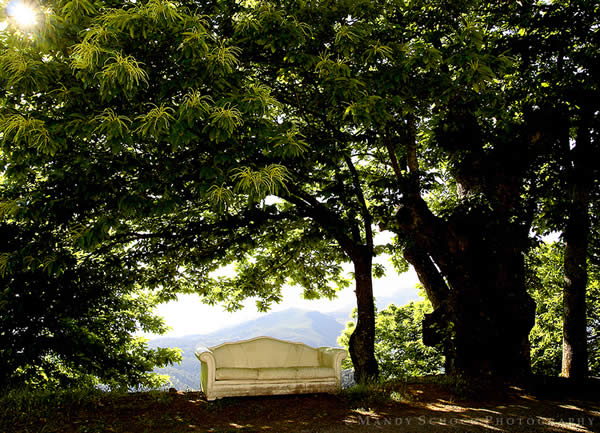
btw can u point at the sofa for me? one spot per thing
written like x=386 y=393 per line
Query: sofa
x=265 y=366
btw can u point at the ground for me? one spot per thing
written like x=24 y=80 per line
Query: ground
x=420 y=406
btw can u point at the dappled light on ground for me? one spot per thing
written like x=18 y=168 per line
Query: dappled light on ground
x=422 y=408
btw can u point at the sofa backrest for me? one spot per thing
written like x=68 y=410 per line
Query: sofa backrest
x=265 y=352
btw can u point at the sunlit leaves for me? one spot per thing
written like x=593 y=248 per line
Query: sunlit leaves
x=4 y=260
x=378 y=51
x=399 y=347
x=98 y=33
x=161 y=10
x=8 y=208
x=259 y=98
x=122 y=71
x=14 y=67
x=223 y=58
x=245 y=22
x=112 y=124
x=194 y=42
x=369 y=109
x=262 y=182
x=13 y=63
x=220 y=196
x=328 y=68
x=347 y=34
x=120 y=19
x=74 y=10
x=290 y=144
x=156 y=122
x=19 y=130
x=195 y=105
x=223 y=122
x=86 y=55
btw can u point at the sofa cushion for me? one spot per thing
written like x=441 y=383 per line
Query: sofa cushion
x=236 y=374
x=289 y=373
x=272 y=373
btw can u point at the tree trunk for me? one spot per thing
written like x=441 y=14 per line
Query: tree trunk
x=362 y=341
x=484 y=314
x=574 y=360
x=484 y=324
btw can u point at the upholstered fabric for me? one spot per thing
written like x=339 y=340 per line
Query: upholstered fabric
x=265 y=365
x=265 y=353
x=236 y=374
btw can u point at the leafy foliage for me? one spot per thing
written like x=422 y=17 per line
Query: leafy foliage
x=64 y=323
x=177 y=138
x=546 y=285
x=399 y=344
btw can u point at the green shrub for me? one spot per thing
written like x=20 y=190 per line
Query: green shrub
x=399 y=347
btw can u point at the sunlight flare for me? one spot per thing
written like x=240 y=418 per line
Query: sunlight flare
x=23 y=14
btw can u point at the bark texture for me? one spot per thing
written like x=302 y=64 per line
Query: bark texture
x=574 y=361
x=470 y=261
x=483 y=315
x=362 y=341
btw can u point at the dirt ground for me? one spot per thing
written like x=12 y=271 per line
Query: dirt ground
x=412 y=408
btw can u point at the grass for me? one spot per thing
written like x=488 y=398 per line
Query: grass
x=21 y=409
x=377 y=394
x=19 y=404
x=93 y=410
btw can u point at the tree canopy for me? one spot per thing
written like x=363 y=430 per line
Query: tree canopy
x=170 y=139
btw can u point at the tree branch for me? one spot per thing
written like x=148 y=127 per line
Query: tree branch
x=366 y=215
x=436 y=288
x=316 y=210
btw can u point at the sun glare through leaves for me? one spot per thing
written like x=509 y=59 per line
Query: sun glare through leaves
x=22 y=13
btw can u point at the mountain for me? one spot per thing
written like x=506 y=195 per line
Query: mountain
x=309 y=327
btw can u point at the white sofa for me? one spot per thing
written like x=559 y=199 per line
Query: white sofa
x=265 y=365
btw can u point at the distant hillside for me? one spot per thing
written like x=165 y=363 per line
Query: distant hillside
x=310 y=327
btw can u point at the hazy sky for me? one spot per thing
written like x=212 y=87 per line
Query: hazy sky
x=188 y=315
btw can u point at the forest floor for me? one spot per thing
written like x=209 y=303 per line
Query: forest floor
x=415 y=406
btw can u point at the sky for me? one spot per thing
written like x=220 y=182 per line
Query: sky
x=188 y=315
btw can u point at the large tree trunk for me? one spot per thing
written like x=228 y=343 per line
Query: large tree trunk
x=574 y=360
x=362 y=341
x=473 y=269
x=485 y=321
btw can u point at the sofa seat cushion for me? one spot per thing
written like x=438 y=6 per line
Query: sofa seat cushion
x=236 y=374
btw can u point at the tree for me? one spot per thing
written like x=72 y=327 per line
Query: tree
x=135 y=158
x=454 y=240
x=414 y=90
x=546 y=263
x=399 y=347
x=173 y=125
x=67 y=323
x=375 y=78
x=557 y=44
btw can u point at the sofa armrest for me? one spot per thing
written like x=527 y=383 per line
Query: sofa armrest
x=332 y=358
x=209 y=365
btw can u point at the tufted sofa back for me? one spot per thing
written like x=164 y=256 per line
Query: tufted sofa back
x=264 y=352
